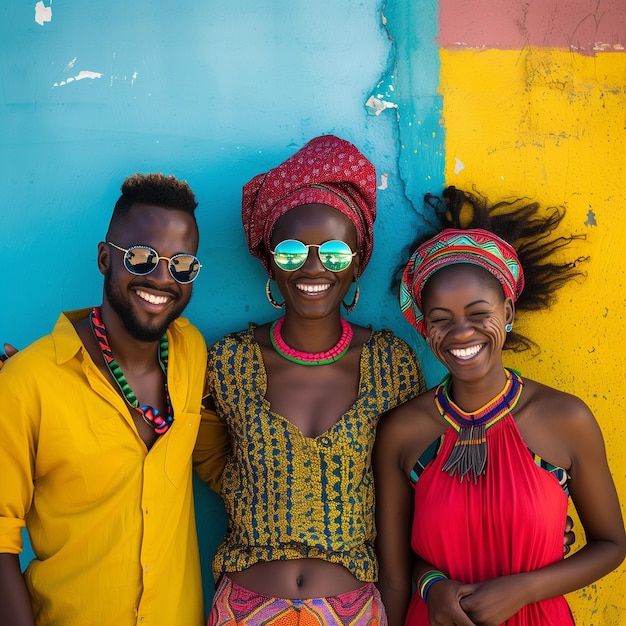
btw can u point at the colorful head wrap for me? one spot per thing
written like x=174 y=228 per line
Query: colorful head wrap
x=476 y=246
x=327 y=170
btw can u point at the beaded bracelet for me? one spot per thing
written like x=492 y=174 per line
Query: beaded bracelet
x=427 y=579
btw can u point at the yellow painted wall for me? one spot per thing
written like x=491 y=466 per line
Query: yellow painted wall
x=551 y=126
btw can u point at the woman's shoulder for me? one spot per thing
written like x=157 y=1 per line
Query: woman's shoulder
x=549 y=415
x=410 y=428
x=555 y=403
x=391 y=349
x=387 y=339
x=234 y=340
x=412 y=414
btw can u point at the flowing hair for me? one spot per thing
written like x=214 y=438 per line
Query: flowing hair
x=531 y=231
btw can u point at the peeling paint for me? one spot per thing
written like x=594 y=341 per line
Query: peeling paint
x=43 y=13
x=383 y=97
x=377 y=106
x=591 y=218
x=80 y=76
x=458 y=165
x=384 y=178
x=411 y=85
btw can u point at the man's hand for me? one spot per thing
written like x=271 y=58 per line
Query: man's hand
x=9 y=351
x=569 y=537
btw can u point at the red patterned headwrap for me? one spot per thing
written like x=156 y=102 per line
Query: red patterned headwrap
x=327 y=170
x=476 y=246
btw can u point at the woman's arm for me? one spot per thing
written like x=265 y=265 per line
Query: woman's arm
x=443 y=599
x=403 y=435
x=15 y=607
x=394 y=517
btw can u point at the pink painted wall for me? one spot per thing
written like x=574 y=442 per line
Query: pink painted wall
x=583 y=26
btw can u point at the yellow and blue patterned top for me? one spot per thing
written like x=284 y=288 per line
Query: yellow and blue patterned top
x=289 y=496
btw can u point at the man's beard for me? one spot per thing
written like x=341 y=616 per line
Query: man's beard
x=132 y=324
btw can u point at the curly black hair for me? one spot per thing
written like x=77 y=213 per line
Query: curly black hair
x=523 y=225
x=157 y=189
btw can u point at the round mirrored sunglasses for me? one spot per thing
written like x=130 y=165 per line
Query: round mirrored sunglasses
x=142 y=260
x=291 y=254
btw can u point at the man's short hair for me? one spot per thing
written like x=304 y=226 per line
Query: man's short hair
x=157 y=189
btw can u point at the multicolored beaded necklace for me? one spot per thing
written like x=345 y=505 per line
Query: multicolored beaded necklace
x=311 y=358
x=151 y=416
x=470 y=449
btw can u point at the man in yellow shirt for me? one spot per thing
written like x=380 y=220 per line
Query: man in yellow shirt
x=100 y=421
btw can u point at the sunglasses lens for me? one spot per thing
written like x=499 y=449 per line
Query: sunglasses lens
x=141 y=260
x=184 y=267
x=335 y=255
x=290 y=255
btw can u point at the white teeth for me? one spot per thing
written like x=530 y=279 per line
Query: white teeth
x=466 y=353
x=152 y=299
x=313 y=288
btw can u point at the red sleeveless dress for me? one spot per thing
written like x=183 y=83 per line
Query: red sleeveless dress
x=511 y=521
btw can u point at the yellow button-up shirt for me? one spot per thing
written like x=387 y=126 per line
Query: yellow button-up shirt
x=111 y=524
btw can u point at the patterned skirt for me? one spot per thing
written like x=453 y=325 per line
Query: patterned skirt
x=235 y=606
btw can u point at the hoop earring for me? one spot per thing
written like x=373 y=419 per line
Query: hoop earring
x=268 y=293
x=350 y=307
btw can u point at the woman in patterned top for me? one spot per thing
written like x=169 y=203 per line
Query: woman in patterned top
x=475 y=474
x=301 y=397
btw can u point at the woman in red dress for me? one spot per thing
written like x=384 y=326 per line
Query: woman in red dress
x=476 y=473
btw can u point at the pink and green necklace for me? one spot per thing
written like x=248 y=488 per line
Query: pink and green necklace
x=151 y=416
x=311 y=358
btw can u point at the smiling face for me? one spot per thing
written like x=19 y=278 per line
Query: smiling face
x=146 y=305
x=465 y=313
x=313 y=291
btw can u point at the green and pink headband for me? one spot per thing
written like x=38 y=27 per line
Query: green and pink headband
x=475 y=246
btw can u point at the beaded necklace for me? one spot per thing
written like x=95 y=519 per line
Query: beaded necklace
x=470 y=449
x=151 y=416
x=311 y=358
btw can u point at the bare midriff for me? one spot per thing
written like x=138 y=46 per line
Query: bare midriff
x=297 y=579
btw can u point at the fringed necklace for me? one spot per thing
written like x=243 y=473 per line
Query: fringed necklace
x=151 y=416
x=311 y=358
x=469 y=453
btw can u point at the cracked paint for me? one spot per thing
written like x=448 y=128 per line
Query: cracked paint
x=409 y=87
x=43 y=13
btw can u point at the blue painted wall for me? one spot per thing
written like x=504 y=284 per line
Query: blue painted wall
x=213 y=93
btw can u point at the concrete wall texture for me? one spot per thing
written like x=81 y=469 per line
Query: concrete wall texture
x=523 y=98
